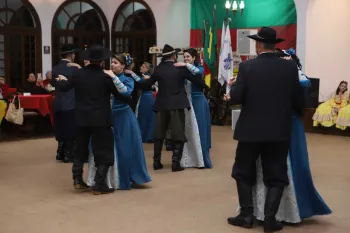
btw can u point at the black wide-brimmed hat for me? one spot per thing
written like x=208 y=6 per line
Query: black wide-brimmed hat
x=266 y=35
x=168 y=50
x=96 y=53
x=68 y=48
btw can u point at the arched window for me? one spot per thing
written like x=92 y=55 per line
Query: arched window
x=80 y=22
x=134 y=30
x=20 y=41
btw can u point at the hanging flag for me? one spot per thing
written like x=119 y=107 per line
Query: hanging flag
x=223 y=30
x=210 y=48
x=212 y=42
x=226 y=66
x=207 y=74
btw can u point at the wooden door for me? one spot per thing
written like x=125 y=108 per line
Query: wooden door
x=22 y=53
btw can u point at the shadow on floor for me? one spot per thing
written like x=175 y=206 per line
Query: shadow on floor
x=34 y=127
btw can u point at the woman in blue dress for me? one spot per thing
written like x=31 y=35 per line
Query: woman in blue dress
x=300 y=199
x=130 y=164
x=144 y=108
x=200 y=104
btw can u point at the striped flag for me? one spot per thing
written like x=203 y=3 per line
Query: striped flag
x=207 y=74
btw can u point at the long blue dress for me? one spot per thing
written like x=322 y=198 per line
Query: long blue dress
x=130 y=157
x=300 y=199
x=202 y=112
x=309 y=201
x=145 y=114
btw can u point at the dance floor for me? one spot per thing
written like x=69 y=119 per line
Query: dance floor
x=37 y=196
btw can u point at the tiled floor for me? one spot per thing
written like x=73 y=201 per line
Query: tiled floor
x=37 y=196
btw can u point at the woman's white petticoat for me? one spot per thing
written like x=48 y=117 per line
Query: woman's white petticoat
x=288 y=210
x=192 y=155
x=111 y=177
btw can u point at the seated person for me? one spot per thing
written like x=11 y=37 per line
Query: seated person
x=47 y=82
x=343 y=119
x=326 y=114
x=4 y=87
x=3 y=104
x=34 y=86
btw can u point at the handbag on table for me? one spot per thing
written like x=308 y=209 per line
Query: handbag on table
x=15 y=115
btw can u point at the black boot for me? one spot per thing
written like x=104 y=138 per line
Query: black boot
x=79 y=183
x=60 y=154
x=272 y=203
x=67 y=156
x=100 y=177
x=169 y=145
x=158 y=144
x=77 y=170
x=245 y=218
x=177 y=155
x=68 y=151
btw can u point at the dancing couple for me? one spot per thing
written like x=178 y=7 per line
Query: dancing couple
x=198 y=125
x=271 y=166
x=170 y=105
x=108 y=148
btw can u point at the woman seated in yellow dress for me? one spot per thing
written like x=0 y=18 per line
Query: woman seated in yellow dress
x=343 y=119
x=327 y=113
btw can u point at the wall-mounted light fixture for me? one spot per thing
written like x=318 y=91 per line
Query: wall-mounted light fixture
x=235 y=6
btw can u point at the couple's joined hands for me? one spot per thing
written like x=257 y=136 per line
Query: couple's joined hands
x=227 y=97
x=61 y=78
x=232 y=81
x=72 y=64
x=111 y=74
x=126 y=71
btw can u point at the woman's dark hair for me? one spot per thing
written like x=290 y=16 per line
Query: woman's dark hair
x=338 y=89
x=289 y=53
x=121 y=58
x=193 y=52
x=297 y=60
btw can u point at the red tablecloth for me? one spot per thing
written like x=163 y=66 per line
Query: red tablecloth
x=41 y=103
x=12 y=90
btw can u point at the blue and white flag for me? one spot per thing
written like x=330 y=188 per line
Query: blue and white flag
x=226 y=60
x=223 y=32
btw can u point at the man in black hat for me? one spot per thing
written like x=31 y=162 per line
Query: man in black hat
x=170 y=104
x=63 y=106
x=268 y=89
x=93 y=89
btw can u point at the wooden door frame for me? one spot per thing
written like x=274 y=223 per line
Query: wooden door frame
x=22 y=32
x=9 y=31
x=131 y=34
x=57 y=32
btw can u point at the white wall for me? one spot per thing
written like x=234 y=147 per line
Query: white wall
x=327 y=43
x=172 y=19
x=301 y=6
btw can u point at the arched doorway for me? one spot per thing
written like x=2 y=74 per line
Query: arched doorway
x=80 y=22
x=134 y=30
x=20 y=41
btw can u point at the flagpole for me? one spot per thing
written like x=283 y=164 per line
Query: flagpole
x=216 y=45
x=205 y=32
x=228 y=88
